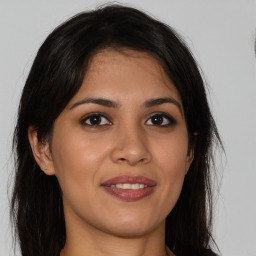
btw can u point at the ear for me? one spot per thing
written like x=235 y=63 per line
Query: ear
x=189 y=159
x=41 y=152
x=190 y=155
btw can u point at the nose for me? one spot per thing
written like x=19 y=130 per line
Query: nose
x=131 y=147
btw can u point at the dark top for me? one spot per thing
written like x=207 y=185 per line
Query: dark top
x=203 y=252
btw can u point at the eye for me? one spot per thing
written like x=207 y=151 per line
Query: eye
x=160 y=119
x=95 y=119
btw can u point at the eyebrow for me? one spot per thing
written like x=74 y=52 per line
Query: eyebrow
x=111 y=104
x=160 y=101
x=99 y=101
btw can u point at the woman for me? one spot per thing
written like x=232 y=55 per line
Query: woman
x=113 y=142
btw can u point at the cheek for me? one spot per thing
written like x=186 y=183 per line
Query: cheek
x=76 y=149
x=172 y=154
x=76 y=159
x=171 y=158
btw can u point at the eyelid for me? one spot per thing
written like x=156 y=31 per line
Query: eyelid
x=172 y=121
x=86 y=117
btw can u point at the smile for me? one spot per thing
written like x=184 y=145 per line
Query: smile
x=129 y=188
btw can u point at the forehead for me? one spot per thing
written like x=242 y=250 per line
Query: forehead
x=126 y=73
x=127 y=57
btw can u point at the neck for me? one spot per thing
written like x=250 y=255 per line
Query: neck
x=90 y=241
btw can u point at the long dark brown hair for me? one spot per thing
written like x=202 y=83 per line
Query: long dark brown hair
x=56 y=76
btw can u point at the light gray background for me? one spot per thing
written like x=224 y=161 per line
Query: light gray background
x=221 y=35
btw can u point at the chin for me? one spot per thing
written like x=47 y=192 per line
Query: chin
x=130 y=231
x=132 y=226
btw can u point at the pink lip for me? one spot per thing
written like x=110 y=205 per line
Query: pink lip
x=129 y=194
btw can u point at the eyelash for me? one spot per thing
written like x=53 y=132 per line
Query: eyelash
x=93 y=115
x=165 y=118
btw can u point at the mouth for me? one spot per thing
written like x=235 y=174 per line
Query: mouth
x=129 y=188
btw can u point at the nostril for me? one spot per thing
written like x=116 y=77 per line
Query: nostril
x=143 y=160
x=130 y=155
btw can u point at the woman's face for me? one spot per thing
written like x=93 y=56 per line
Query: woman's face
x=120 y=147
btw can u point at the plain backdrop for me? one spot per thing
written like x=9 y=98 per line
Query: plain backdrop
x=220 y=33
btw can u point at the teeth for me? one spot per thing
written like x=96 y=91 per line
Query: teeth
x=129 y=186
x=136 y=186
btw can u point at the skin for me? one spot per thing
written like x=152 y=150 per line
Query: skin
x=126 y=141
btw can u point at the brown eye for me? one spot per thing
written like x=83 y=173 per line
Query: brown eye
x=95 y=120
x=162 y=120
x=157 y=120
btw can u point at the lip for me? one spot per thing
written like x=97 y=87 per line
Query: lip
x=122 y=179
x=129 y=194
